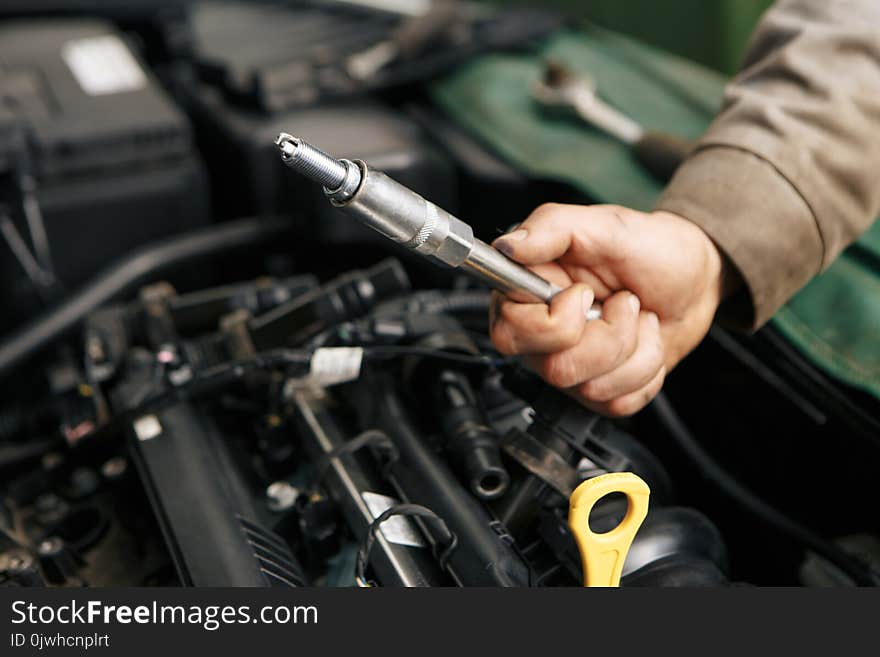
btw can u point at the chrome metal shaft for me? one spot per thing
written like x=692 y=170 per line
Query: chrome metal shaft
x=410 y=220
x=502 y=273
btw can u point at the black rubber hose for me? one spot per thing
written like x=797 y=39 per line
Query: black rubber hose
x=860 y=573
x=127 y=272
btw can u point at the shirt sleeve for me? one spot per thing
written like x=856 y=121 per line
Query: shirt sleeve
x=788 y=174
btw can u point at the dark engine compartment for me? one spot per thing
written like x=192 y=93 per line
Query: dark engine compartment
x=194 y=398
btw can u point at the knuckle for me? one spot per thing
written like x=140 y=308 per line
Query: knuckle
x=629 y=342
x=546 y=209
x=655 y=355
x=618 y=233
x=661 y=379
x=617 y=351
x=567 y=333
x=621 y=214
x=618 y=211
x=594 y=390
x=633 y=403
x=626 y=406
x=503 y=339
x=559 y=371
x=508 y=312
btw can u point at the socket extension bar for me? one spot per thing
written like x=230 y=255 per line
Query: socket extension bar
x=405 y=217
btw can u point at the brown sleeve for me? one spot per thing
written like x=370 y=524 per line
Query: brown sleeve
x=788 y=174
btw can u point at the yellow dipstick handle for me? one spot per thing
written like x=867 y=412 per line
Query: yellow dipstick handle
x=602 y=555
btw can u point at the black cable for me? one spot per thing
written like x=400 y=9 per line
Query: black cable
x=36 y=226
x=766 y=373
x=389 y=352
x=822 y=388
x=223 y=374
x=41 y=279
x=296 y=361
x=860 y=573
x=127 y=272
x=446 y=544
x=374 y=437
x=425 y=302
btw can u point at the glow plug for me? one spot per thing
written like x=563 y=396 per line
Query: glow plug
x=410 y=220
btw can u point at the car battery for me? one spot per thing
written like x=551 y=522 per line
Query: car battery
x=96 y=148
x=161 y=26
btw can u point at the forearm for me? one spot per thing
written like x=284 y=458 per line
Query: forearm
x=786 y=176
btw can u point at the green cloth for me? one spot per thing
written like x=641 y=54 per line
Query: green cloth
x=834 y=320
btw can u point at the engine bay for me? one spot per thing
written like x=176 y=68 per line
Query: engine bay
x=215 y=378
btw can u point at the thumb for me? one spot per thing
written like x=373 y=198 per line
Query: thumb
x=552 y=230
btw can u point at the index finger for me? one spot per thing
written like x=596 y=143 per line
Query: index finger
x=593 y=232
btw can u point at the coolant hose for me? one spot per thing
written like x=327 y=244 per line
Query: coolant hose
x=144 y=262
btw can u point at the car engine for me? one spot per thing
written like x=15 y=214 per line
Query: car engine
x=211 y=377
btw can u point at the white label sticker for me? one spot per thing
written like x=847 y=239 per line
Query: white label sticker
x=147 y=427
x=397 y=529
x=331 y=365
x=103 y=65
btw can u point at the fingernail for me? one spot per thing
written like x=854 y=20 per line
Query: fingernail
x=655 y=321
x=634 y=303
x=504 y=247
x=517 y=235
x=503 y=242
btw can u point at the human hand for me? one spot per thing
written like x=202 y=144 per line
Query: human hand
x=660 y=279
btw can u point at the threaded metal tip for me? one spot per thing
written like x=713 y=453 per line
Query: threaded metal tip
x=311 y=162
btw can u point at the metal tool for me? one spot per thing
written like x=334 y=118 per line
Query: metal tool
x=413 y=222
x=412 y=36
x=560 y=88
